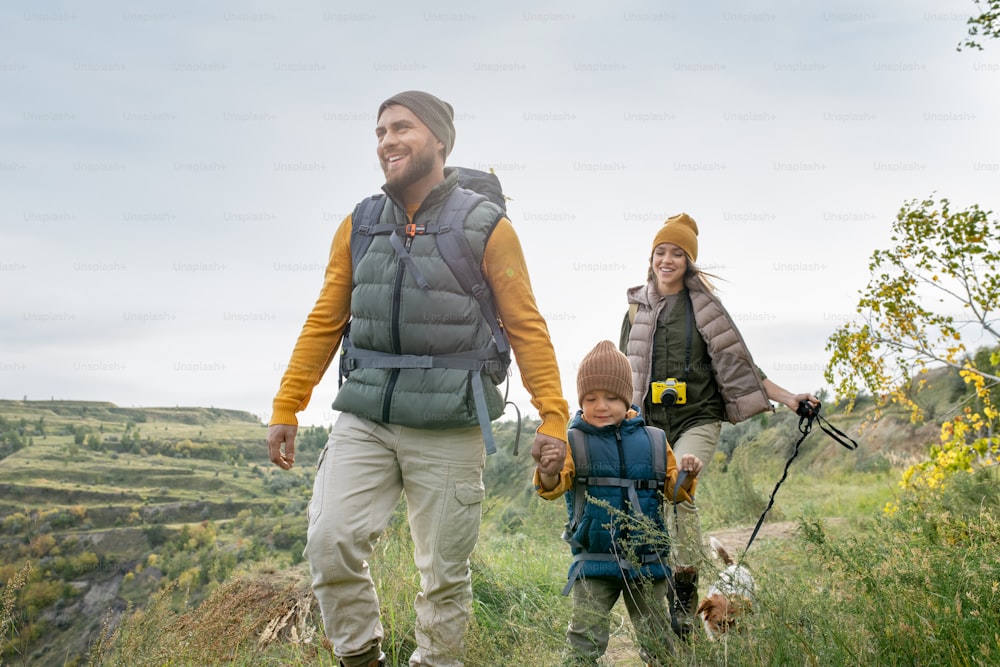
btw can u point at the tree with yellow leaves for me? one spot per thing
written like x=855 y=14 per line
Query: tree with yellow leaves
x=985 y=24
x=934 y=292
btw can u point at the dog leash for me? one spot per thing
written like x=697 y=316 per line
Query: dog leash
x=807 y=414
x=681 y=476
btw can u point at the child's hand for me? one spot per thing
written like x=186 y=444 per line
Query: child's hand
x=551 y=457
x=690 y=463
x=550 y=454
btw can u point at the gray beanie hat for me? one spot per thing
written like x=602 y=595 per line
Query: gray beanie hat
x=436 y=114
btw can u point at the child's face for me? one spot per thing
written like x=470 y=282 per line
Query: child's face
x=601 y=408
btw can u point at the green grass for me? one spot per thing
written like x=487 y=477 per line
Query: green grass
x=915 y=588
x=208 y=551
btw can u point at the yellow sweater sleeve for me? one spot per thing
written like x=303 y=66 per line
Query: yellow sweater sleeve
x=320 y=336
x=507 y=274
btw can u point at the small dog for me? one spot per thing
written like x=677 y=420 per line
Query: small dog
x=729 y=598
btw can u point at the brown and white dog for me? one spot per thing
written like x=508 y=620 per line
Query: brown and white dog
x=729 y=598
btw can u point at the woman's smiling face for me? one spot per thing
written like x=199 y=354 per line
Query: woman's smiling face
x=669 y=264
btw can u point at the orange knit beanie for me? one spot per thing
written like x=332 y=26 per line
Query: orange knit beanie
x=682 y=231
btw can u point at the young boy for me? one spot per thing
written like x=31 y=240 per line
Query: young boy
x=630 y=469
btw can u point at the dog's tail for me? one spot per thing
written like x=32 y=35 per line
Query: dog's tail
x=720 y=551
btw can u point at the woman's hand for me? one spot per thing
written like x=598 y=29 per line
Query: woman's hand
x=782 y=395
x=690 y=464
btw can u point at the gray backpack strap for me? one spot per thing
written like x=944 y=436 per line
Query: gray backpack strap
x=365 y=225
x=658 y=449
x=581 y=461
x=397 y=243
x=454 y=247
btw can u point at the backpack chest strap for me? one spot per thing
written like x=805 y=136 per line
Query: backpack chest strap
x=624 y=483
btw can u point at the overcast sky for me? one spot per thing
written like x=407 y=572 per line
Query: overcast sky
x=172 y=172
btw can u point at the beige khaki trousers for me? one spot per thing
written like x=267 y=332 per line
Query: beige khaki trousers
x=685 y=525
x=364 y=469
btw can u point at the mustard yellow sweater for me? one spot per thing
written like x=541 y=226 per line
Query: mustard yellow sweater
x=507 y=274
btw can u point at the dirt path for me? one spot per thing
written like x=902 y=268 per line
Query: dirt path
x=735 y=539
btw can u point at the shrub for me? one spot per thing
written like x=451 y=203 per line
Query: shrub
x=922 y=583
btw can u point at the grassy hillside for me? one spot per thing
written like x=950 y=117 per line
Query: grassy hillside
x=107 y=503
x=177 y=511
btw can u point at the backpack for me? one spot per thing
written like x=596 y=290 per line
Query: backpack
x=582 y=480
x=474 y=186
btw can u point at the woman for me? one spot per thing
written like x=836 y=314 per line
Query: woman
x=690 y=369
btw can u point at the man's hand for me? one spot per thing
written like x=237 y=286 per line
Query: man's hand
x=278 y=435
x=549 y=453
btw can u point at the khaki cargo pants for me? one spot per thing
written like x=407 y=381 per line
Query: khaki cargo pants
x=364 y=469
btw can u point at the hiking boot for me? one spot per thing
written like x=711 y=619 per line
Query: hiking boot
x=685 y=602
x=377 y=662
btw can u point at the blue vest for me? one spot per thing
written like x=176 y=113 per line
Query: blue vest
x=621 y=472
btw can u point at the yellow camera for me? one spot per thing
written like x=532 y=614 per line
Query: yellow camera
x=669 y=392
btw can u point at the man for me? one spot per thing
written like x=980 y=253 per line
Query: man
x=403 y=429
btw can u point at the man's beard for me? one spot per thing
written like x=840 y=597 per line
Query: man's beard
x=420 y=165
